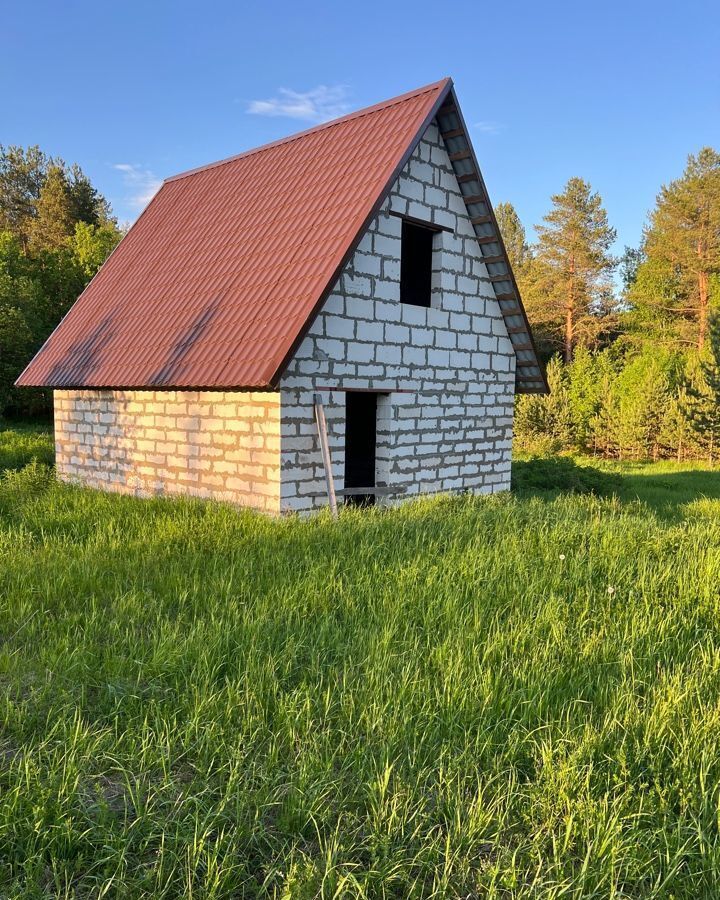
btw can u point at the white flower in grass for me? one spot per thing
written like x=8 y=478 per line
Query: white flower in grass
x=562 y=556
x=611 y=590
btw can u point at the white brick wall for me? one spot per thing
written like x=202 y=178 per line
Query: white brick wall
x=446 y=423
x=224 y=445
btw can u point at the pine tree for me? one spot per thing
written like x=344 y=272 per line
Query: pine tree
x=513 y=235
x=703 y=396
x=672 y=296
x=22 y=175
x=584 y=397
x=86 y=203
x=30 y=189
x=574 y=250
x=53 y=222
x=543 y=422
x=603 y=423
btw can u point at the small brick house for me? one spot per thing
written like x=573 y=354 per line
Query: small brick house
x=355 y=268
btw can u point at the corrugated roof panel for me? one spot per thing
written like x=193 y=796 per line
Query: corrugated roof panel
x=217 y=279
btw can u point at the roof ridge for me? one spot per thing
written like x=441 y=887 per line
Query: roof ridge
x=358 y=113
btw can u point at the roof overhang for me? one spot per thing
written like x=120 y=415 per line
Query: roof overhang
x=103 y=344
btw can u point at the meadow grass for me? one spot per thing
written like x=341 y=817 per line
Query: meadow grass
x=21 y=443
x=515 y=696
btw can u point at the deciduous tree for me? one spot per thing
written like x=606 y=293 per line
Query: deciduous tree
x=92 y=244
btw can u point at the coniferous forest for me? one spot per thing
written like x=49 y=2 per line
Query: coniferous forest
x=631 y=342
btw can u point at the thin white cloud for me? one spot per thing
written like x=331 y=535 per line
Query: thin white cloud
x=489 y=127
x=141 y=183
x=317 y=105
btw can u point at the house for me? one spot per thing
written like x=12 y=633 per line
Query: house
x=351 y=275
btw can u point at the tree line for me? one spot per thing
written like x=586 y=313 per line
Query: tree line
x=631 y=343
x=56 y=230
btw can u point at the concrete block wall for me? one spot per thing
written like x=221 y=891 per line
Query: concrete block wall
x=445 y=375
x=447 y=372
x=212 y=444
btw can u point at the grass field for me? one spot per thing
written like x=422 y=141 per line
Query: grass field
x=506 y=697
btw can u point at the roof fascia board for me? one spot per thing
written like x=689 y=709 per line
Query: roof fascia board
x=493 y=220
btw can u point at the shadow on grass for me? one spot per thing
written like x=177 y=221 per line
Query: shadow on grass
x=670 y=490
x=667 y=493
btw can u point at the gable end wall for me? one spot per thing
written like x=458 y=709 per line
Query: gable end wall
x=445 y=423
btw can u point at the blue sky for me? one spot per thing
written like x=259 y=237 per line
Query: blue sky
x=618 y=93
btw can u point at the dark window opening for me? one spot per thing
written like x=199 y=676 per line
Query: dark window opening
x=360 y=445
x=416 y=264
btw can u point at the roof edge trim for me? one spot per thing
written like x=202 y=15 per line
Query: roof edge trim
x=367 y=110
x=539 y=382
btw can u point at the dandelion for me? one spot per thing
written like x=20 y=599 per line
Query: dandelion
x=611 y=590
x=562 y=556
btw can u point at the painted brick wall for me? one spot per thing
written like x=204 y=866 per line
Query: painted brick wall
x=206 y=444
x=449 y=427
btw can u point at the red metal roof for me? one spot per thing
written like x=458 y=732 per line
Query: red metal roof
x=218 y=280
x=220 y=274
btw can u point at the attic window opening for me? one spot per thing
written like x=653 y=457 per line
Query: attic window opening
x=416 y=258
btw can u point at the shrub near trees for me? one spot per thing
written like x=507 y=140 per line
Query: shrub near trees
x=55 y=232
x=633 y=373
x=651 y=404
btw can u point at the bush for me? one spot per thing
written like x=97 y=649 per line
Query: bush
x=560 y=474
x=23 y=485
x=19 y=446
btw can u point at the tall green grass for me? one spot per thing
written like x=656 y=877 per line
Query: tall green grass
x=22 y=443
x=505 y=697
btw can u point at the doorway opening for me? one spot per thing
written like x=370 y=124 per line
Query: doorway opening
x=360 y=446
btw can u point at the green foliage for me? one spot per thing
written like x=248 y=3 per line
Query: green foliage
x=52 y=223
x=618 y=403
x=584 y=396
x=55 y=232
x=702 y=396
x=25 y=444
x=676 y=285
x=633 y=412
x=16 y=344
x=19 y=487
x=543 y=422
x=92 y=244
x=476 y=697
x=513 y=235
x=86 y=203
x=22 y=174
x=574 y=246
